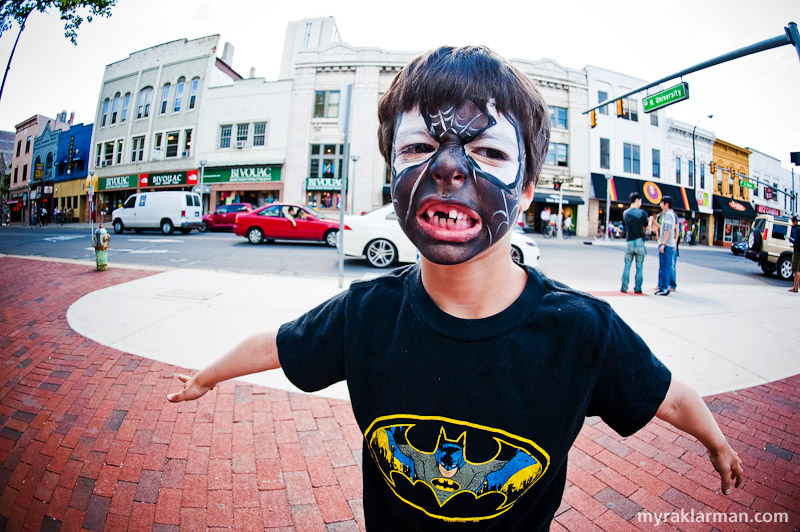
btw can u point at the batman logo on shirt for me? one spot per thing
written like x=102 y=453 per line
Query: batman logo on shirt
x=454 y=470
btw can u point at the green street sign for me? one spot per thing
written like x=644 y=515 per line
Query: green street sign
x=666 y=97
x=747 y=184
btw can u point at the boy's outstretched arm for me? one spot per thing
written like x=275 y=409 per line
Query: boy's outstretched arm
x=254 y=354
x=684 y=409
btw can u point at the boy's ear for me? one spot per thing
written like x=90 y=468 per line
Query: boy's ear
x=526 y=198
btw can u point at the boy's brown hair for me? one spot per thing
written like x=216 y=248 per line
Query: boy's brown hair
x=449 y=75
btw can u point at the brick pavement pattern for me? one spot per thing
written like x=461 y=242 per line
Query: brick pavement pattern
x=88 y=442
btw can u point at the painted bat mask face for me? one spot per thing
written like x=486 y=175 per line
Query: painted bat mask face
x=456 y=179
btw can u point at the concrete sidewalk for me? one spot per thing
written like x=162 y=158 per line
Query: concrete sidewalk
x=87 y=440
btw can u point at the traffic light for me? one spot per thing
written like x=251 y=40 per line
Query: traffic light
x=593 y=118
x=556 y=184
x=620 y=108
x=713 y=167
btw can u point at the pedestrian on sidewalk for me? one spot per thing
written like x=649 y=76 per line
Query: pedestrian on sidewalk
x=666 y=246
x=636 y=223
x=794 y=238
x=470 y=377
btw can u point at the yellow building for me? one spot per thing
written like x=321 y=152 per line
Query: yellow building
x=733 y=212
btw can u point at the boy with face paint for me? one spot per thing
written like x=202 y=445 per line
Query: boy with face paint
x=470 y=376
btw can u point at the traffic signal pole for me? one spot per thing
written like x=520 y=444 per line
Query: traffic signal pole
x=791 y=36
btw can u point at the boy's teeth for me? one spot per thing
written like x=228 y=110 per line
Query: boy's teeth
x=431 y=212
x=453 y=214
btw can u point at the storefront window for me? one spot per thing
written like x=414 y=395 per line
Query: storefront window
x=732 y=230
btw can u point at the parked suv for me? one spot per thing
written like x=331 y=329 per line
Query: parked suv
x=769 y=245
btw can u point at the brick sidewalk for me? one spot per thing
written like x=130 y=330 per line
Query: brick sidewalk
x=88 y=441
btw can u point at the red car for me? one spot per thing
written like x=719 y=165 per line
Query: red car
x=285 y=222
x=222 y=219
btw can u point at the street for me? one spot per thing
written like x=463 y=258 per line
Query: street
x=585 y=265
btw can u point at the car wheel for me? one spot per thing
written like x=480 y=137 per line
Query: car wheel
x=332 y=237
x=118 y=227
x=785 y=267
x=255 y=235
x=516 y=254
x=167 y=227
x=381 y=253
x=203 y=227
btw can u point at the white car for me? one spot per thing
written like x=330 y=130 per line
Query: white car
x=378 y=237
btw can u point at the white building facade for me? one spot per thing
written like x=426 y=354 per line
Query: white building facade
x=773 y=190
x=148 y=114
x=690 y=150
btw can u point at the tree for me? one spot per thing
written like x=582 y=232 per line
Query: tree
x=12 y=11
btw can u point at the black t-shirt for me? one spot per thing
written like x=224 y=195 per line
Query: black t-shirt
x=795 y=234
x=635 y=223
x=467 y=423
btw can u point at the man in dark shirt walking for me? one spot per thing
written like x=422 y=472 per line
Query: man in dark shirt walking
x=794 y=238
x=635 y=225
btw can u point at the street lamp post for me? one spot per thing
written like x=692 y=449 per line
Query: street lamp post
x=608 y=204
x=203 y=163
x=352 y=182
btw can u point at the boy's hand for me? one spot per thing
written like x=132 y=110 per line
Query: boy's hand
x=729 y=466
x=191 y=390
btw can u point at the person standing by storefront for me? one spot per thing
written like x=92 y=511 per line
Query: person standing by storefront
x=794 y=238
x=636 y=223
x=666 y=246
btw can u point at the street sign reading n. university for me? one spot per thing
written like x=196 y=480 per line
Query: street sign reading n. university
x=666 y=97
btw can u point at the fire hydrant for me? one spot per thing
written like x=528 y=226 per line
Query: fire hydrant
x=100 y=241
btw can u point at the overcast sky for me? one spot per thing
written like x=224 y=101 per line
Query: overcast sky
x=754 y=100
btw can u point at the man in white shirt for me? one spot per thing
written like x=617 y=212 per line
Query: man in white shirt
x=666 y=246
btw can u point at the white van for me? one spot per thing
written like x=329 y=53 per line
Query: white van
x=159 y=210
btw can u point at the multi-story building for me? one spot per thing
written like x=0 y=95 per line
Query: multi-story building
x=148 y=114
x=630 y=153
x=772 y=191
x=242 y=141
x=45 y=152
x=71 y=169
x=733 y=212
x=689 y=151
x=22 y=165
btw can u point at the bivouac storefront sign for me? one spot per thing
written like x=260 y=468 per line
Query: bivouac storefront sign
x=243 y=174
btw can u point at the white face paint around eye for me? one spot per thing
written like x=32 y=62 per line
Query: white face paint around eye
x=413 y=143
x=496 y=150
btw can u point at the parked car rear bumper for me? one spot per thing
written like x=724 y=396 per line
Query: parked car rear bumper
x=191 y=225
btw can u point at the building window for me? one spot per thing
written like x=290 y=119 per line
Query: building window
x=157 y=153
x=178 y=95
x=108 y=153
x=630 y=156
x=137 y=153
x=143 y=105
x=28 y=145
x=259 y=133
x=326 y=104
x=125 y=103
x=105 y=113
x=558 y=117
x=48 y=166
x=16 y=174
x=601 y=97
x=656 y=163
x=557 y=155
x=326 y=160
x=654 y=119
x=241 y=135
x=193 y=93
x=99 y=153
x=37 y=168
x=164 y=98
x=19 y=146
x=24 y=172
x=702 y=175
x=172 y=143
x=678 y=170
x=119 y=151
x=115 y=109
x=691 y=173
x=225 y=136
x=187 y=143
x=605 y=153
x=631 y=109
